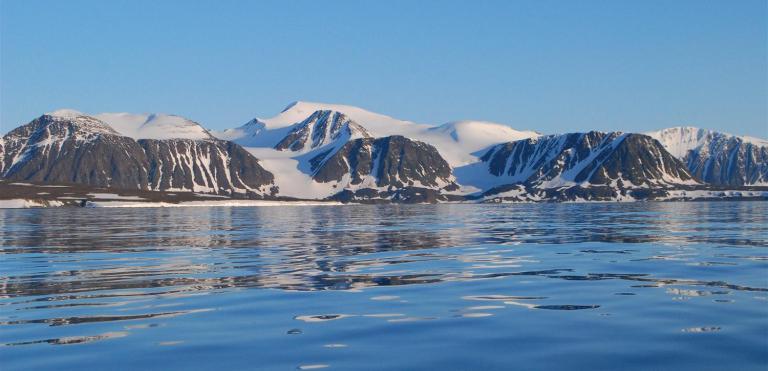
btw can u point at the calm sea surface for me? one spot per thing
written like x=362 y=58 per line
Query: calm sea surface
x=552 y=286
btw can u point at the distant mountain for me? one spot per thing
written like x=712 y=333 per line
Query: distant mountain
x=320 y=129
x=287 y=142
x=457 y=141
x=327 y=151
x=67 y=146
x=267 y=132
x=71 y=147
x=588 y=166
x=634 y=162
x=154 y=126
x=718 y=158
x=460 y=142
x=247 y=135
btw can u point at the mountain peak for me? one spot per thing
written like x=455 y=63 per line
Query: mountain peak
x=85 y=124
x=66 y=113
x=155 y=126
x=325 y=113
x=482 y=131
x=684 y=131
x=291 y=105
x=716 y=157
x=321 y=128
x=680 y=139
x=253 y=123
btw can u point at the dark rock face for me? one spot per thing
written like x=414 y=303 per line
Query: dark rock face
x=597 y=158
x=84 y=150
x=729 y=161
x=2 y=155
x=319 y=129
x=718 y=158
x=80 y=150
x=393 y=161
x=204 y=166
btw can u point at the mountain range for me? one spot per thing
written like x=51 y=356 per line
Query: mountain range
x=335 y=152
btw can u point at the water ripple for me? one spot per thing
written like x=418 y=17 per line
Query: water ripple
x=374 y=275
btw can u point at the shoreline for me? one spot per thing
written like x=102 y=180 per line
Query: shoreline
x=20 y=195
x=107 y=204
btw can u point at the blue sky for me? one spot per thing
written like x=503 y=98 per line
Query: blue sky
x=551 y=66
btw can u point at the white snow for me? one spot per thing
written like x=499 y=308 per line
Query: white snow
x=19 y=203
x=154 y=126
x=377 y=125
x=289 y=177
x=323 y=128
x=66 y=113
x=709 y=146
x=141 y=126
x=679 y=140
x=554 y=148
x=756 y=141
x=460 y=143
x=248 y=134
x=457 y=141
x=381 y=125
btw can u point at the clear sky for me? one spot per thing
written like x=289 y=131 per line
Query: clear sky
x=551 y=66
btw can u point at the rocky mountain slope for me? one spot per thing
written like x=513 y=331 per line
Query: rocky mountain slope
x=457 y=141
x=588 y=166
x=302 y=131
x=335 y=152
x=320 y=129
x=70 y=147
x=210 y=166
x=384 y=168
x=718 y=158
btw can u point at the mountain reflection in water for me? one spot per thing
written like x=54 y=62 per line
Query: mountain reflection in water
x=82 y=267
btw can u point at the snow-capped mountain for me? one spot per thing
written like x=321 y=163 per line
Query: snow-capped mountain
x=246 y=135
x=718 y=158
x=266 y=132
x=303 y=131
x=595 y=162
x=369 y=168
x=70 y=147
x=210 y=166
x=327 y=151
x=320 y=129
x=462 y=143
x=377 y=124
x=154 y=126
x=458 y=142
x=2 y=155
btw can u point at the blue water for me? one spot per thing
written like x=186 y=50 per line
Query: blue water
x=553 y=286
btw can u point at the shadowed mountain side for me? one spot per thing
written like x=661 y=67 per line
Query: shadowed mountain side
x=84 y=150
